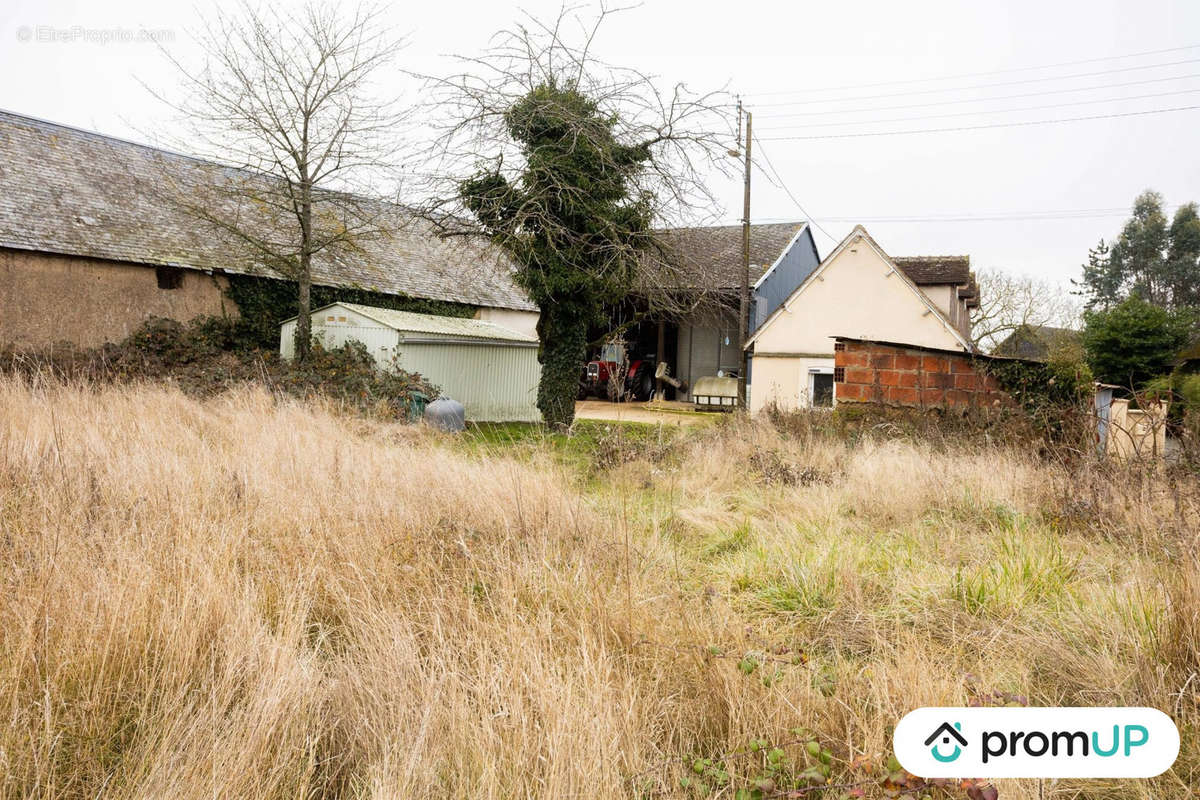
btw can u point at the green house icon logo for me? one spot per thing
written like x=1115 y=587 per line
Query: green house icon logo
x=945 y=733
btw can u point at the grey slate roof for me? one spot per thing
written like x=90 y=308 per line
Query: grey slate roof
x=711 y=257
x=410 y=322
x=74 y=192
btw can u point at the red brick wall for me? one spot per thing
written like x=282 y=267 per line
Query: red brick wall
x=908 y=376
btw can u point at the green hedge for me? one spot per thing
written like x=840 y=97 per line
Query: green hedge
x=1055 y=394
x=264 y=303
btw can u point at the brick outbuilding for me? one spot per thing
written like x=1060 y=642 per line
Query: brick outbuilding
x=890 y=373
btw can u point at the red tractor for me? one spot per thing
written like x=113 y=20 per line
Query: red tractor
x=615 y=376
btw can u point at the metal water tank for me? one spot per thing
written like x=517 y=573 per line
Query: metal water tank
x=446 y=414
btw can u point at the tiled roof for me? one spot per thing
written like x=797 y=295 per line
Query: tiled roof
x=409 y=322
x=73 y=192
x=970 y=293
x=926 y=270
x=1037 y=342
x=711 y=257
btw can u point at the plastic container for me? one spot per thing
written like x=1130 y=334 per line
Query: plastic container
x=446 y=415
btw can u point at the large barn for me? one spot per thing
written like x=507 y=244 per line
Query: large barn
x=89 y=250
x=701 y=269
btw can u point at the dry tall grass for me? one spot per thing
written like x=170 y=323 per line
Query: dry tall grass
x=249 y=598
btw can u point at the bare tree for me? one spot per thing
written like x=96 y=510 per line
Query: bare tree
x=1011 y=302
x=568 y=164
x=289 y=100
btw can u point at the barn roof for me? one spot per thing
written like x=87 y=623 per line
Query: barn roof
x=74 y=192
x=711 y=257
x=1038 y=342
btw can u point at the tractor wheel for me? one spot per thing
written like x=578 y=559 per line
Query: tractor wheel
x=582 y=394
x=645 y=387
x=612 y=394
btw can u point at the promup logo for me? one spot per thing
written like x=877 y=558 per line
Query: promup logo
x=947 y=732
x=1036 y=742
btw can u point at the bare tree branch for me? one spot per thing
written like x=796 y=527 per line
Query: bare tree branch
x=1010 y=302
x=684 y=133
x=289 y=102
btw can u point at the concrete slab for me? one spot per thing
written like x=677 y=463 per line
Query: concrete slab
x=664 y=413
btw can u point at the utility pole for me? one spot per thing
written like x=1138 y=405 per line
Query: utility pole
x=744 y=304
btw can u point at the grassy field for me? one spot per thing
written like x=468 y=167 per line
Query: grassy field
x=249 y=598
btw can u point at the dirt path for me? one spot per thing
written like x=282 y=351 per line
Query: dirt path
x=658 y=413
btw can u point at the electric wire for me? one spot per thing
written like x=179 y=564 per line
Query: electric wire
x=783 y=185
x=999 y=216
x=1025 y=123
x=960 y=101
x=1009 y=70
x=984 y=111
x=1023 y=81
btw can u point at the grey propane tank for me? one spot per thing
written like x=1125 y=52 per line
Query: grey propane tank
x=446 y=415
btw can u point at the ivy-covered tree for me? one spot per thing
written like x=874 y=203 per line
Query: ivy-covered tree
x=570 y=222
x=1157 y=260
x=1134 y=341
x=566 y=164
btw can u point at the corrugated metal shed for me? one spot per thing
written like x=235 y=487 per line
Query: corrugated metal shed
x=491 y=370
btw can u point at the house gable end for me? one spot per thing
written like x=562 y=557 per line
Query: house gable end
x=857 y=291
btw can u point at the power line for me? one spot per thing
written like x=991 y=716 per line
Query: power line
x=978 y=86
x=1026 y=123
x=975 y=74
x=1004 y=216
x=983 y=218
x=783 y=184
x=986 y=111
x=800 y=114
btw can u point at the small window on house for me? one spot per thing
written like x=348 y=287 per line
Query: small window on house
x=341 y=319
x=330 y=318
x=839 y=374
x=169 y=277
x=820 y=388
x=839 y=346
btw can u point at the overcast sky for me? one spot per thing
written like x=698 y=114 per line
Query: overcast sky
x=910 y=66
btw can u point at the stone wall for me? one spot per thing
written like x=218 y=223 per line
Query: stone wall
x=46 y=298
x=916 y=377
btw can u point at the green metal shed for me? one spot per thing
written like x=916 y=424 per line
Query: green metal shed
x=491 y=370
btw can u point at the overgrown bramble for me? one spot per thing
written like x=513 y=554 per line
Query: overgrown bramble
x=206 y=356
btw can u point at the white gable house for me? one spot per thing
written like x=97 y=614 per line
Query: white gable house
x=857 y=291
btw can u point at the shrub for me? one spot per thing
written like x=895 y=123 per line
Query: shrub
x=1055 y=395
x=206 y=356
x=1134 y=342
